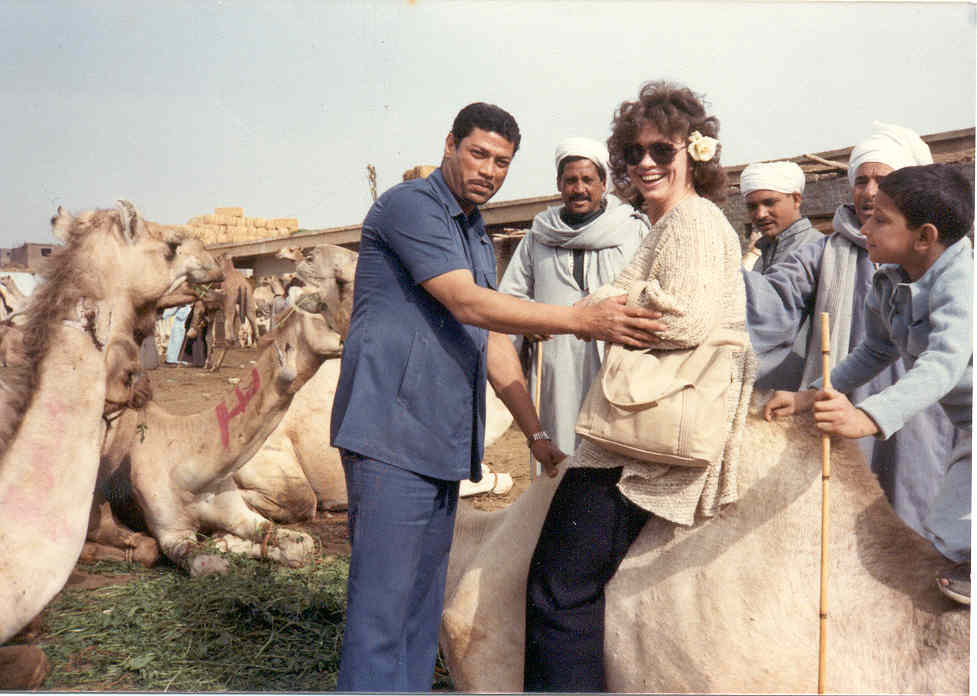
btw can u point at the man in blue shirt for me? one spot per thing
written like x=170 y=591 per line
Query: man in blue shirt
x=409 y=410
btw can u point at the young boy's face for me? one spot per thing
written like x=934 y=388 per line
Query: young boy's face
x=888 y=236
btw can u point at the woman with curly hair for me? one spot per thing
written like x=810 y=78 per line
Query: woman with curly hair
x=664 y=159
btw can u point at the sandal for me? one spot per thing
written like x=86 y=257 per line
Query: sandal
x=955 y=582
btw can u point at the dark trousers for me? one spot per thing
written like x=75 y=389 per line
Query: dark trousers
x=400 y=528
x=587 y=532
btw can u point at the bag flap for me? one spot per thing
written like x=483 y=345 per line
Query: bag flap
x=637 y=378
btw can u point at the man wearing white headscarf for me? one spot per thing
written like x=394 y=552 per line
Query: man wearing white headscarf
x=834 y=275
x=773 y=192
x=571 y=250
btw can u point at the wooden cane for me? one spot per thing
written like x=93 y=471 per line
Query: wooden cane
x=825 y=480
x=537 y=392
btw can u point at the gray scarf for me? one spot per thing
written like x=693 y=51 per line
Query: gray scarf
x=603 y=234
x=836 y=292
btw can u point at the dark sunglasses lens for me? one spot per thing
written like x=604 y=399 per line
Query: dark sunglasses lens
x=633 y=154
x=661 y=153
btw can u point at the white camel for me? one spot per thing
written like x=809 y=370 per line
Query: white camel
x=109 y=272
x=731 y=604
x=180 y=468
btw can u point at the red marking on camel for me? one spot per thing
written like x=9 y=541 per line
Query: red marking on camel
x=224 y=416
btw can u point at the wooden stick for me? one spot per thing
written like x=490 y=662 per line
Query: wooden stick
x=837 y=165
x=538 y=390
x=825 y=479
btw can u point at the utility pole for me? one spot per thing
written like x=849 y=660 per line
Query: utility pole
x=371 y=175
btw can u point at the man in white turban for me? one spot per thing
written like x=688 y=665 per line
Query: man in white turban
x=834 y=275
x=571 y=250
x=773 y=192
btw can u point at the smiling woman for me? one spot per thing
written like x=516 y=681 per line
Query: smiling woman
x=664 y=157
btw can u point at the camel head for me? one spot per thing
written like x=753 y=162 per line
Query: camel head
x=115 y=258
x=301 y=342
x=126 y=384
x=328 y=274
x=290 y=254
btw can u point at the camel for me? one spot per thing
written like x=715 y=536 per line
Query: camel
x=12 y=300
x=12 y=345
x=78 y=335
x=180 y=469
x=731 y=603
x=238 y=304
x=297 y=471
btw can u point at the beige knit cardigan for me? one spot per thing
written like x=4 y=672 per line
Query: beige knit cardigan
x=690 y=260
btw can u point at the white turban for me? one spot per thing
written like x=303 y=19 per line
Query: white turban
x=785 y=177
x=895 y=146
x=594 y=150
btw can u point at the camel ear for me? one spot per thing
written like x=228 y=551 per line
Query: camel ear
x=131 y=222
x=61 y=224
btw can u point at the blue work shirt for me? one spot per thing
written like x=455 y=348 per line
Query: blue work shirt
x=929 y=324
x=411 y=388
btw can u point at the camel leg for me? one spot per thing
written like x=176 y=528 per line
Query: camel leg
x=182 y=547
x=22 y=667
x=110 y=539
x=249 y=533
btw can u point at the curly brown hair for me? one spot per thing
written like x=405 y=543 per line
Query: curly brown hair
x=675 y=111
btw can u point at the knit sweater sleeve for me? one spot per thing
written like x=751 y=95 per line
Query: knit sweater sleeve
x=684 y=273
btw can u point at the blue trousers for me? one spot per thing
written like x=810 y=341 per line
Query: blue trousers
x=400 y=529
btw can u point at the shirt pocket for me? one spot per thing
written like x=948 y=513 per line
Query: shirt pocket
x=917 y=337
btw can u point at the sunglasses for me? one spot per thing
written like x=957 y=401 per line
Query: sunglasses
x=661 y=153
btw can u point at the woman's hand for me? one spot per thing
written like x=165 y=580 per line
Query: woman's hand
x=786 y=403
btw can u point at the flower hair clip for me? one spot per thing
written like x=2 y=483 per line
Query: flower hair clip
x=702 y=148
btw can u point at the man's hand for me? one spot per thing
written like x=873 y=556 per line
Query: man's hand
x=834 y=414
x=612 y=320
x=547 y=454
x=786 y=403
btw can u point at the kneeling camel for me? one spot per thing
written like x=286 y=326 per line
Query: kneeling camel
x=180 y=469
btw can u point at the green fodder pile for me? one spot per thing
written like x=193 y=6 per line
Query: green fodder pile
x=261 y=627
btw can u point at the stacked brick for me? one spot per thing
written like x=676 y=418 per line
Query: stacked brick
x=230 y=225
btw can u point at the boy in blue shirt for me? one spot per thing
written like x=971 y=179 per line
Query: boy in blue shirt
x=919 y=309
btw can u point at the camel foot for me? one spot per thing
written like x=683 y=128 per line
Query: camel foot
x=22 y=667
x=207 y=564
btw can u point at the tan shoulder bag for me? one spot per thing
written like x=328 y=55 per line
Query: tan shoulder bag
x=663 y=406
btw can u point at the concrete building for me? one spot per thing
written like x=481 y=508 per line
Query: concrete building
x=27 y=256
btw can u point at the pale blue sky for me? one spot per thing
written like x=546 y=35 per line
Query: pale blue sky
x=279 y=106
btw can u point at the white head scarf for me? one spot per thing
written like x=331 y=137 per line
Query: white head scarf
x=785 y=177
x=889 y=144
x=594 y=150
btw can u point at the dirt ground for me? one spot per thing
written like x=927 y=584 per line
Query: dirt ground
x=186 y=390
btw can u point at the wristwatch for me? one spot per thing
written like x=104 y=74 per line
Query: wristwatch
x=537 y=436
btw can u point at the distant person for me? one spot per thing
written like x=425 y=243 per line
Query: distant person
x=773 y=193
x=571 y=250
x=919 y=309
x=834 y=275
x=409 y=410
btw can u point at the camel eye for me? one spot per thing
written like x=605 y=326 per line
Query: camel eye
x=171 y=248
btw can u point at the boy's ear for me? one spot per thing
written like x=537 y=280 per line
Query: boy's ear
x=927 y=235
